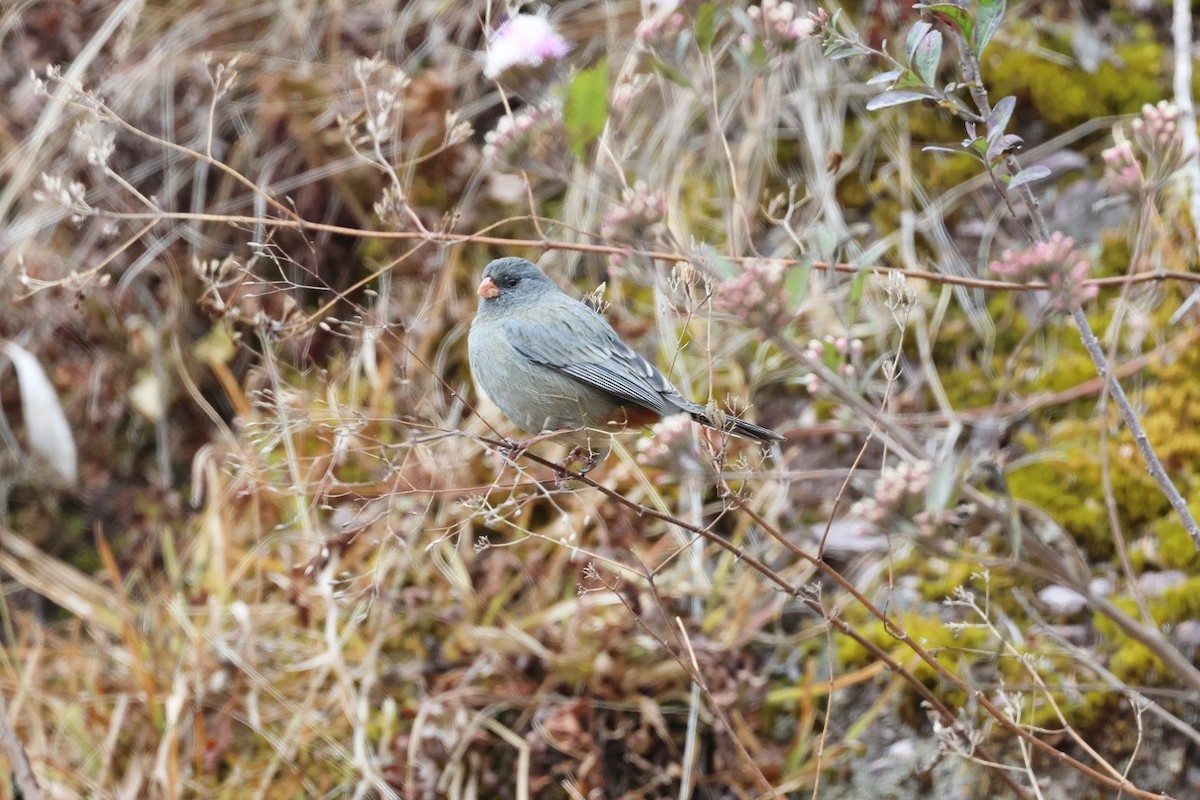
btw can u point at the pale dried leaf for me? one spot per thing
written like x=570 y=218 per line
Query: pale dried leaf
x=46 y=425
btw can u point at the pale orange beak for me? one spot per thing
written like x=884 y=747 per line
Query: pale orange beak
x=487 y=289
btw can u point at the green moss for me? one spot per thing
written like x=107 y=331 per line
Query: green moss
x=1176 y=550
x=1128 y=659
x=1173 y=421
x=1053 y=360
x=1114 y=255
x=1066 y=482
x=939 y=578
x=1071 y=490
x=886 y=211
x=852 y=193
x=1065 y=95
x=928 y=630
x=943 y=169
x=1178 y=603
x=1050 y=665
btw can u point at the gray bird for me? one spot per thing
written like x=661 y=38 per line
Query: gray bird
x=551 y=363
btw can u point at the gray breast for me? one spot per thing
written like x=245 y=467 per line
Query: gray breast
x=535 y=397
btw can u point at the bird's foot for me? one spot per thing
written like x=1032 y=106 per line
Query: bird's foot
x=580 y=461
x=513 y=448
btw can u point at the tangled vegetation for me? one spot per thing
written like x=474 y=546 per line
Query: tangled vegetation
x=261 y=537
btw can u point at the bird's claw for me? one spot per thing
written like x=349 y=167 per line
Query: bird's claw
x=580 y=461
x=512 y=448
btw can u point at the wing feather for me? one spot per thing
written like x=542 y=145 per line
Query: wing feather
x=581 y=343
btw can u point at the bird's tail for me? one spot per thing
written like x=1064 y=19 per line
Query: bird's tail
x=749 y=430
x=739 y=427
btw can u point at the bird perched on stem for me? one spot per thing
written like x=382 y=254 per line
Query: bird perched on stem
x=552 y=364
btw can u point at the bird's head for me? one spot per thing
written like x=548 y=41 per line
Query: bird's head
x=512 y=283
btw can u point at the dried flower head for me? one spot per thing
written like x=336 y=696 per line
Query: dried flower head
x=899 y=296
x=894 y=489
x=56 y=190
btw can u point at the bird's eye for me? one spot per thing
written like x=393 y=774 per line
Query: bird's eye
x=511 y=281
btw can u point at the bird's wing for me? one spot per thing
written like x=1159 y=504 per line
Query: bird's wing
x=577 y=341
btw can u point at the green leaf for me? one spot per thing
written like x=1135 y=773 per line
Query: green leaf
x=586 y=109
x=830 y=356
x=889 y=77
x=796 y=284
x=859 y=284
x=836 y=49
x=758 y=53
x=742 y=59
x=721 y=266
x=943 y=483
x=928 y=56
x=910 y=80
x=1002 y=147
x=953 y=15
x=896 y=97
x=824 y=241
x=937 y=148
x=706 y=26
x=991 y=12
x=670 y=72
x=1028 y=175
x=915 y=34
x=1001 y=113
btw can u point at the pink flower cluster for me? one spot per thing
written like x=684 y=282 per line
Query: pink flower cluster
x=634 y=219
x=1148 y=152
x=835 y=352
x=1063 y=268
x=1122 y=170
x=626 y=90
x=757 y=295
x=661 y=26
x=1157 y=129
x=532 y=138
x=524 y=40
x=672 y=447
x=895 y=486
x=779 y=24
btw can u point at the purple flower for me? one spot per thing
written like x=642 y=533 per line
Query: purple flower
x=525 y=40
